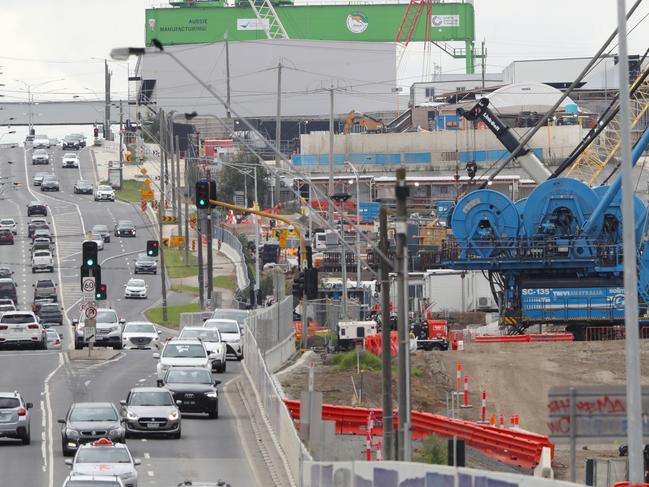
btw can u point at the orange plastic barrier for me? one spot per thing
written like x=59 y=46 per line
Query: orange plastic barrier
x=374 y=343
x=545 y=337
x=509 y=446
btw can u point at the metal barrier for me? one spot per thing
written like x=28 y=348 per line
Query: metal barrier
x=272 y=328
x=233 y=250
x=269 y=398
x=600 y=333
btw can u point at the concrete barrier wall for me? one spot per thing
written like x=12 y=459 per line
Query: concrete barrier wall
x=393 y=474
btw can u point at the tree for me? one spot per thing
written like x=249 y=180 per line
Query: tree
x=232 y=179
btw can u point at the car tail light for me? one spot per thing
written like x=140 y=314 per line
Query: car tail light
x=4 y=327
x=22 y=412
x=33 y=326
x=57 y=342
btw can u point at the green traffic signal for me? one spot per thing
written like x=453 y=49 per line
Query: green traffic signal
x=90 y=262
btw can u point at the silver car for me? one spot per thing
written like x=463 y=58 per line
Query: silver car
x=53 y=339
x=140 y=335
x=14 y=417
x=80 y=480
x=104 y=457
x=151 y=411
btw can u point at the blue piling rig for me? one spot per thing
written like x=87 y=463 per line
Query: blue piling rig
x=555 y=257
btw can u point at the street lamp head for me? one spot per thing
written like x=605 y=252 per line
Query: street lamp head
x=350 y=181
x=191 y=115
x=123 y=53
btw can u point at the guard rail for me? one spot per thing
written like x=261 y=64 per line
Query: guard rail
x=514 y=447
x=543 y=337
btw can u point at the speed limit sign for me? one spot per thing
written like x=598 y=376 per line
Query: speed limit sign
x=88 y=285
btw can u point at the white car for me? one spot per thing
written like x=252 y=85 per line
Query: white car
x=9 y=223
x=53 y=339
x=136 y=288
x=211 y=338
x=22 y=328
x=40 y=156
x=95 y=237
x=41 y=142
x=104 y=193
x=230 y=334
x=181 y=353
x=42 y=260
x=105 y=457
x=70 y=159
x=140 y=335
x=77 y=479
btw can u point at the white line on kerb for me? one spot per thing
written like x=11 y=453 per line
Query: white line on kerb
x=49 y=459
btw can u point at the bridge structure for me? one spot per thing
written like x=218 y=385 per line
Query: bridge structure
x=73 y=112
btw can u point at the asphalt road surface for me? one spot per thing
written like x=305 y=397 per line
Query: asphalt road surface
x=208 y=450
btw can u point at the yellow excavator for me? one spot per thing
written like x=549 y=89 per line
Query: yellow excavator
x=360 y=123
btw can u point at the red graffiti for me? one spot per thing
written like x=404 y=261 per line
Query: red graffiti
x=559 y=426
x=601 y=405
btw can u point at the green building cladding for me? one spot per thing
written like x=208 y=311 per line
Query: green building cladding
x=198 y=23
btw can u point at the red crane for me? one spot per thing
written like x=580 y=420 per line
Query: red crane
x=410 y=20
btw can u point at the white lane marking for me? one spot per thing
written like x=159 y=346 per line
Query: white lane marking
x=86 y=383
x=49 y=430
x=43 y=443
x=141 y=380
x=150 y=473
x=147 y=455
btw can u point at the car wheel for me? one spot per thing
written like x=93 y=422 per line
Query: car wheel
x=222 y=368
x=43 y=345
x=240 y=358
x=118 y=346
x=78 y=346
x=33 y=271
x=176 y=435
x=66 y=452
x=155 y=273
x=25 y=437
x=215 y=414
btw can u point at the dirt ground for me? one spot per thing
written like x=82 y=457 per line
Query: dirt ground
x=516 y=376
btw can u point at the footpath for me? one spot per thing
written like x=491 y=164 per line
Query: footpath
x=183 y=289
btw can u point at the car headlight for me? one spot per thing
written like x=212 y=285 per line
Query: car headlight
x=211 y=394
x=131 y=415
x=73 y=434
x=116 y=431
x=173 y=415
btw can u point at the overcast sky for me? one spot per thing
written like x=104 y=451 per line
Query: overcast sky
x=60 y=50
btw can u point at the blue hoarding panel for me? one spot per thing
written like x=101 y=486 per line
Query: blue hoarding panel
x=572 y=304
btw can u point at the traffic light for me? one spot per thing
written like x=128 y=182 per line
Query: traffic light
x=298 y=285
x=311 y=283
x=202 y=194
x=101 y=293
x=96 y=132
x=89 y=253
x=152 y=248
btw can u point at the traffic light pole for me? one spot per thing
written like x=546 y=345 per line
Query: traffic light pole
x=201 y=280
x=210 y=263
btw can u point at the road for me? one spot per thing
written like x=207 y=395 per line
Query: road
x=208 y=450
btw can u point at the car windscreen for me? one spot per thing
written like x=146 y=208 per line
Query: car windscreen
x=153 y=398
x=173 y=350
x=9 y=402
x=52 y=334
x=44 y=284
x=223 y=326
x=42 y=253
x=7 y=222
x=197 y=376
x=99 y=228
x=12 y=319
x=139 y=329
x=91 y=483
x=7 y=307
x=108 y=454
x=7 y=286
x=145 y=258
x=205 y=334
x=135 y=283
x=81 y=414
x=105 y=188
x=106 y=316
x=49 y=308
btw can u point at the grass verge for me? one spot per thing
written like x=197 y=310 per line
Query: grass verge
x=347 y=361
x=173 y=314
x=219 y=282
x=131 y=191
x=176 y=266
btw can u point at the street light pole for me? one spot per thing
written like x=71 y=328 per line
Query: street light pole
x=358 y=222
x=257 y=263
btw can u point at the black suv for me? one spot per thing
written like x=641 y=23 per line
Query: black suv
x=8 y=289
x=193 y=389
x=89 y=421
x=36 y=208
x=71 y=142
x=124 y=228
x=47 y=311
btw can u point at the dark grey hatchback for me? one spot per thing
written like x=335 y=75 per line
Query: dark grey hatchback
x=89 y=421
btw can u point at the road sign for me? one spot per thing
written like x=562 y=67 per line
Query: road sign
x=168 y=219
x=90 y=311
x=147 y=195
x=88 y=285
x=599 y=413
x=89 y=333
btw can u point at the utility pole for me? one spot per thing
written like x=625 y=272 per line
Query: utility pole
x=278 y=132
x=386 y=359
x=401 y=193
x=186 y=214
x=107 y=101
x=343 y=264
x=634 y=414
x=331 y=188
x=121 y=132
x=163 y=281
x=201 y=267
x=483 y=63
x=178 y=189
x=172 y=154
x=227 y=74
x=257 y=263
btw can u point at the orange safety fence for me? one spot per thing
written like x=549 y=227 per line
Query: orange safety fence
x=514 y=447
x=544 y=337
x=374 y=343
x=313 y=329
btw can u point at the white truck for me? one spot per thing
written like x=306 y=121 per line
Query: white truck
x=42 y=260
